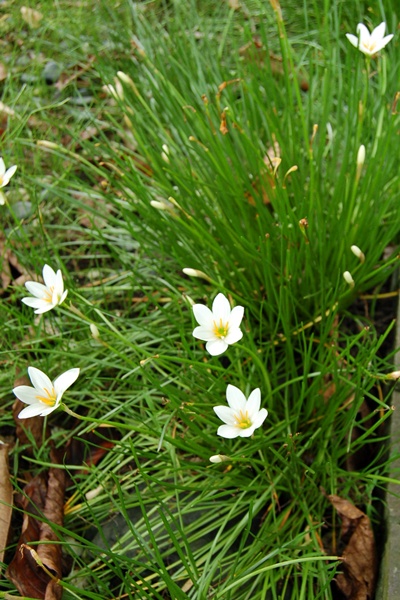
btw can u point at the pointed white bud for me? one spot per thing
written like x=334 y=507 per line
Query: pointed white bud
x=165 y=153
x=395 y=375
x=348 y=278
x=359 y=253
x=218 y=458
x=196 y=273
x=94 y=331
x=360 y=160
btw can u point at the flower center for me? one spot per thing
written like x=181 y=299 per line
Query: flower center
x=48 y=295
x=49 y=399
x=370 y=46
x=220 y=329
x=243 y=420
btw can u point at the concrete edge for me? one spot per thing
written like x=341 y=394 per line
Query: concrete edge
x=389 y=576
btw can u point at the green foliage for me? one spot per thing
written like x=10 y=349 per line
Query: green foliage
x=233 y=150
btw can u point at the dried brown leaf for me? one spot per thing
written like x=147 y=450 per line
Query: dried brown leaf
x=357 y=581
x=25 y=571
x=50 y=554
x=31 y=17
x=3 y=72
x=6 y=498
x=8 y=260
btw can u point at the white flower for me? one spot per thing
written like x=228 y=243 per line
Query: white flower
x=44 y=396
x=242 y=416
x=46 y=296
x=219 y=327
x=5 y=176
x=369 y=43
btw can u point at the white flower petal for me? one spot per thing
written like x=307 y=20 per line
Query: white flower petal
x=203 y=315
x=253 y=403
x=64 y=381
x=247 y=432
x=2 y=199
x=226 y=414
x=352 y=39
x=59 y=283
x=36 y=289
x=39 y=380
x=216 y=346
x=260 y=418
x=378 y=33
x=2 y=167
x=49 y=276
x=363 y=33
x=8 y=174
x=203 y=333
x=235 y=398
x=48 y=409
x=61 y=300
x=26 y=394
x=380 y=45
x=236 y=316
x=234 y=335
x=33 y=302
x=228 y=432
x=221 y=308
x=46 y=306
x=34 y=410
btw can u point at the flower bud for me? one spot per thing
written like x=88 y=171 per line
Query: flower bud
x=359 y=253
x=159 y=205
x=348 y=278
x=94 y=331
x=360 y=160
x=218 y=458
x=196 y=273
x=165 y=153
x=47 y=144
x=127 y=80
x=188 y=300
x=394 y=375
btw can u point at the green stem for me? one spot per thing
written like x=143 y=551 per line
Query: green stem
x=94 y=420
x=260 y=364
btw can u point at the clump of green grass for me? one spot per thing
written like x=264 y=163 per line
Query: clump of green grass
x=238 y=157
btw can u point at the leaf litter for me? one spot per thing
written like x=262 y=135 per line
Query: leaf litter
x=359 y=567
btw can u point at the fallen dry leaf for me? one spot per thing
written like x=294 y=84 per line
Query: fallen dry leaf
x=31 y=17
x=6 y=498
x=50 y=553
x=359 y=567
x=47 y=498
x=3 y=72
x=9 y=267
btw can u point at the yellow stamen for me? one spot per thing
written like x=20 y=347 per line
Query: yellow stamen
x=243 y=420
x=50 y=398
x=48 y=295
x=370 y=46
x=220 y=329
